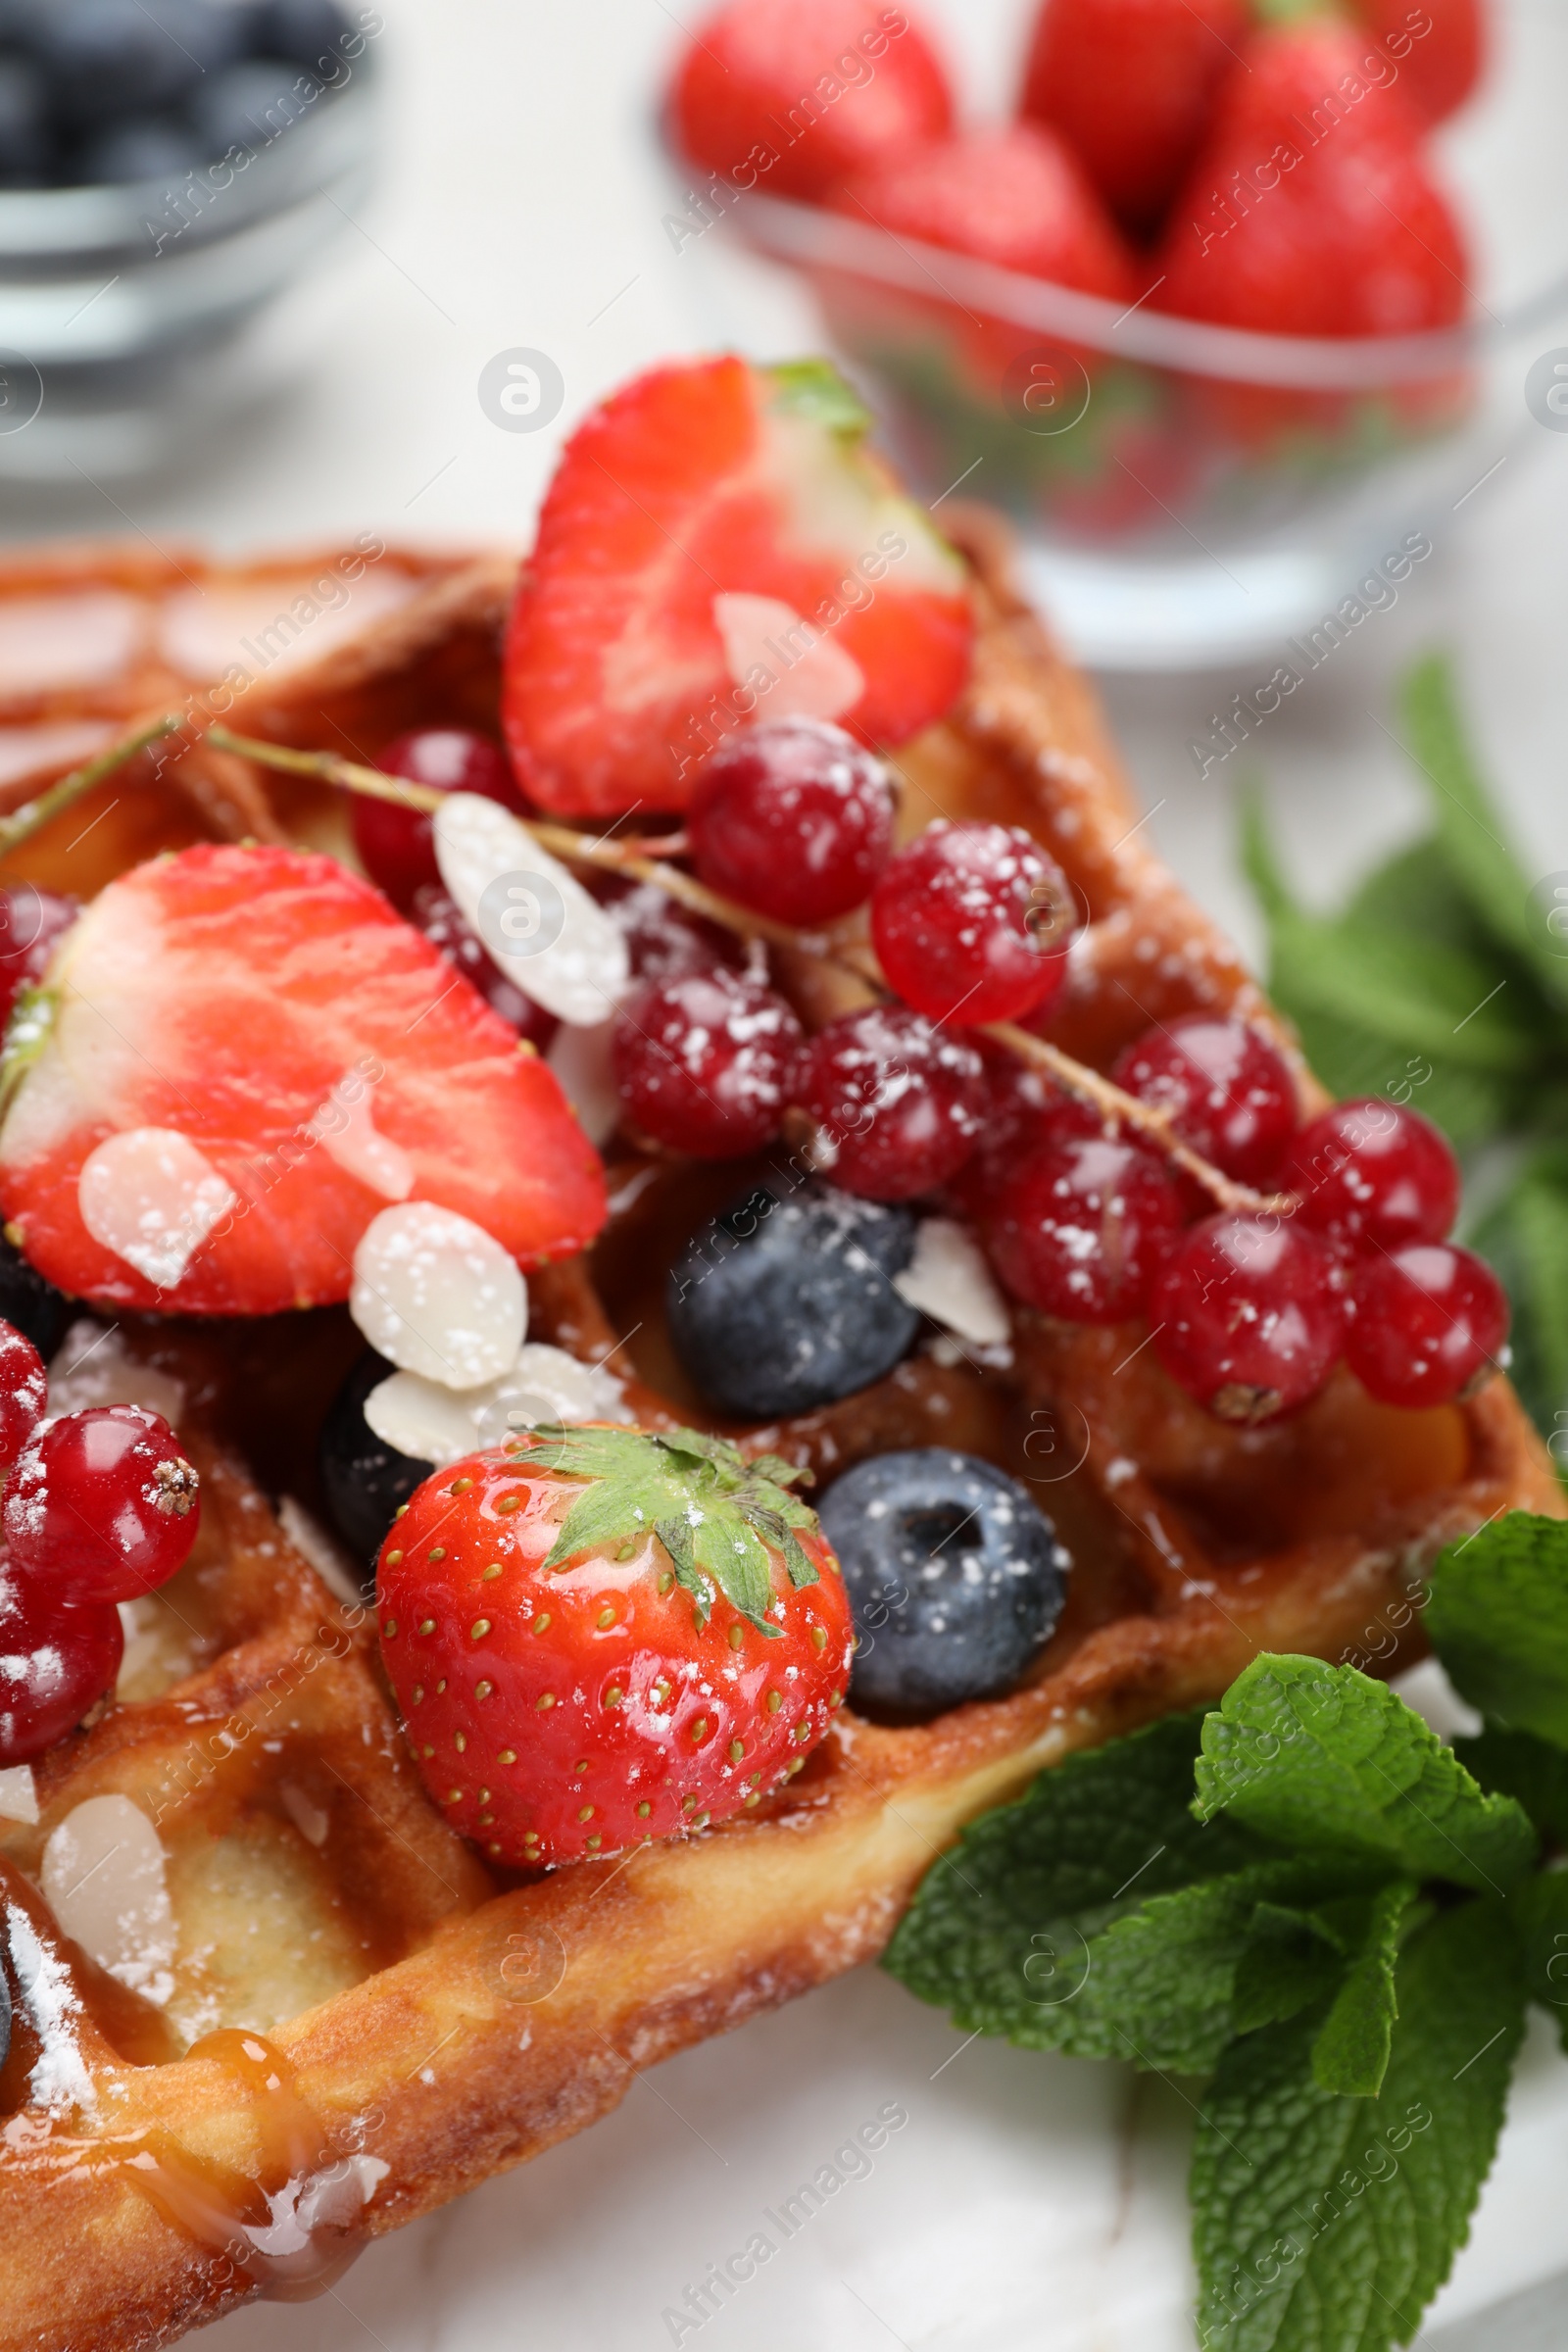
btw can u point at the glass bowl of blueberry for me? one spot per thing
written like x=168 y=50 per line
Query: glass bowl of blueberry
x=167 y=168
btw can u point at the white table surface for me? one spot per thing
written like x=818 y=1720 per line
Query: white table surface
x=1030 y=2201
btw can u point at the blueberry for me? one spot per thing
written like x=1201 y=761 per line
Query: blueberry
x=365 y=1479
x=5 y=2015
x=109 y=58
x=145 y=148
x=25 y=142
x=251 y=106
x=786 y=1301
x=954 y=1576
x=309 y=31
x=31 y=1305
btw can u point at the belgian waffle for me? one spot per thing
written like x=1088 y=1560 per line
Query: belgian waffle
x=355 y=2019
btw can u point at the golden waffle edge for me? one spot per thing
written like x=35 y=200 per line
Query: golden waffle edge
x=450 y=2024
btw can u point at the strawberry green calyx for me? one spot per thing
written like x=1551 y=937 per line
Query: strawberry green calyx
x=814 y=388
x=32 y=1017
x=717 y=1514
x=1301 y=12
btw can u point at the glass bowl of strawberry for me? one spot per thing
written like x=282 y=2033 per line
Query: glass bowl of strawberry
x=1225 y=275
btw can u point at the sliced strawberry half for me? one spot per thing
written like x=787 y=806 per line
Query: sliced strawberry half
x=717 y=545
x=239 y=1057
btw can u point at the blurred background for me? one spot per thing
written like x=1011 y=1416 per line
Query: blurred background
x=486 y=200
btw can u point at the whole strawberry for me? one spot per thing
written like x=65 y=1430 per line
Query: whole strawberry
x=789 y=95
x=598 y=1636
x=1440 y=65
x=1128 y=84
x=1310 y=209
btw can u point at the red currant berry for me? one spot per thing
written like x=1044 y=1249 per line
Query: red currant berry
x=396 y=846
x=1023 y=1112
x=898 y=1106
x=24 y=1393
x=440 y=918
x=971 y=923
x=793 y=817
x=1082 y=1229
x=56 y=1659
x=664 y=941
x=1373 y=1174
x=102 y=1505
x=1226 y=1088
x=1250 y=1316
x=1430 y=1323
x=31 y=922
x=703 y=1064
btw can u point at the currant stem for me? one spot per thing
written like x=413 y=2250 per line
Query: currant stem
x=628 y=857
x=34 y=816
x=1240 y=1199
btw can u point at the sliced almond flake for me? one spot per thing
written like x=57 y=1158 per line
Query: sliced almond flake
x=19 y=1798
x=794 y=667
x=104 y=1880
x=436 y=1295
x=581 y=1062
x=949 y=1280
x=537 y=922
x=346 y=1130
x=152 y=1196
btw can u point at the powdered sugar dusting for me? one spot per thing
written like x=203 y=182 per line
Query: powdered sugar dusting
x=92 y=1365
x=53 y=2007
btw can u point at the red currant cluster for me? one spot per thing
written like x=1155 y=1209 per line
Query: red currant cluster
x=1250 y=1314
x=793 y=819
x=1083 y=1219
x=100 y=1506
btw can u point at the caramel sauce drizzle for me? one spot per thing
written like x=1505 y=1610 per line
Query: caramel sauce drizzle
x=251 y=2220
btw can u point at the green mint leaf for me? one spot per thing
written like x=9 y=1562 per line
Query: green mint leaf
x=1326 y=2223
x=1313 y=1755
x=1413 y=893
x=1531 y=1771
x=1162 y=1980
x=1288 y=1965
x=1418 y=995
x=1469 y=828
x=999 y=1930
x=1350 y=1051
x=1542 y=1917
x=1350 y=2054
x=1498 y=1617
x=715 y=1512
x=1525 y=1237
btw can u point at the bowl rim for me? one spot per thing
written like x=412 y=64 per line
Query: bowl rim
x=69 y=223
x=816 y=238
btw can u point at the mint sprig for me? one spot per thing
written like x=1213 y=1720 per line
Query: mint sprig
x=1442 y=984
x=1342 y=1928
x=717 y=1514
